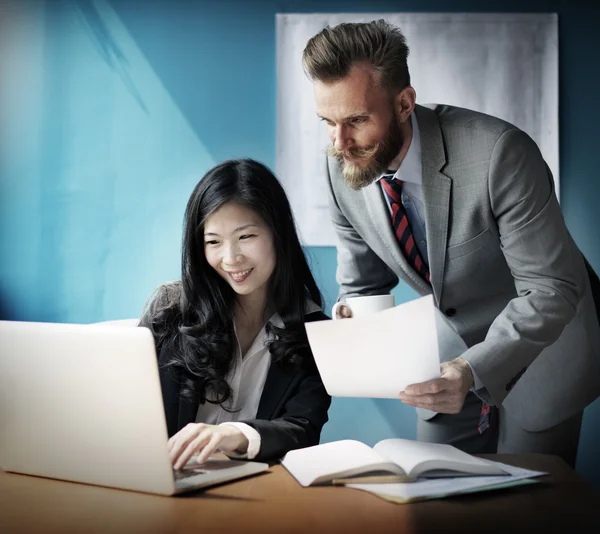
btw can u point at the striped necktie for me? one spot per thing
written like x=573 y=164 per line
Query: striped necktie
x=393 y=190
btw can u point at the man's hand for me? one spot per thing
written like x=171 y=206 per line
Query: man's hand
x=203 y=440
x=341 y=311
x=445 y=394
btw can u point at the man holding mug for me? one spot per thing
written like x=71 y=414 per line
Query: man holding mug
x=361 y=306
x=461 y=205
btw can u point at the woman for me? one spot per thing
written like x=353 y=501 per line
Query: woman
x=236 y=371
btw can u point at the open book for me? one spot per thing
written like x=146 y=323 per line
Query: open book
x=391 y=460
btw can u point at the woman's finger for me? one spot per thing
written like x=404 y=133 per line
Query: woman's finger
x=210 y=447
x=181 y=440
x=193 y=447
x=187 y=433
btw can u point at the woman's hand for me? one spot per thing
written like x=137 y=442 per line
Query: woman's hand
x=203 y=440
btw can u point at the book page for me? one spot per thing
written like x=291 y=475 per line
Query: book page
x=413 y=456
x=338 y=459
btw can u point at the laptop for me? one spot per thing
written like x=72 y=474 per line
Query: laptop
x=83 y=403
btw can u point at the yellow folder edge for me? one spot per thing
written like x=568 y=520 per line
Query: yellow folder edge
x=374 y=479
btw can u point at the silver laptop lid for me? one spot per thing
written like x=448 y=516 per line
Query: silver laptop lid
x=83 y=403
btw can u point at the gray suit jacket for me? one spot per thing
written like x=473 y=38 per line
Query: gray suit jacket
x=504 y=268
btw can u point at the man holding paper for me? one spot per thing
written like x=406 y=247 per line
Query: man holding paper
x=460 y=205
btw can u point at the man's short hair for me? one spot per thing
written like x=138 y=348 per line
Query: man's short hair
x=331 y=53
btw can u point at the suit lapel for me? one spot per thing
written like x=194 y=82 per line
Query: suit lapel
x=277 y=383
x=436 y=195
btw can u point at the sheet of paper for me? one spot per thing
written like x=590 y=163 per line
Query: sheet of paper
x=379 y=355
x=441 y=487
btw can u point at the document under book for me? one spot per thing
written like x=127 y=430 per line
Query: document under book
x=338 y=460
x=438 y=488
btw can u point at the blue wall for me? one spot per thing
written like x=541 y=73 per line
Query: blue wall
x=115 y=109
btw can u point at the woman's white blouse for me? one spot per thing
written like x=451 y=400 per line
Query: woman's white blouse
x=247 y=378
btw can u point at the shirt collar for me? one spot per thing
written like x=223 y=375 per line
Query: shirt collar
x=411 y=167
x=259 y=343
x=309 y=307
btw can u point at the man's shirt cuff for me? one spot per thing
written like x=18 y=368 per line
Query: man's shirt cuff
x=477 y=383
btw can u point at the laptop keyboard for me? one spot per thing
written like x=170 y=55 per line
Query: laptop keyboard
x=212 y=464
x=179 y=474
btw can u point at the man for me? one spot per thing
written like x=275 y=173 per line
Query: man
x=461 y=205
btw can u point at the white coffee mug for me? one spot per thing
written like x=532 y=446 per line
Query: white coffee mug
x=362 y=306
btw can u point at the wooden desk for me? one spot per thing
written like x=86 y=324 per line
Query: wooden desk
x=274 y=502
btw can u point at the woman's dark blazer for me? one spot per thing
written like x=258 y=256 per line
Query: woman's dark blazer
x=291 y=413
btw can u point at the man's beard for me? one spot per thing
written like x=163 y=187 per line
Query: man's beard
x=375 y=159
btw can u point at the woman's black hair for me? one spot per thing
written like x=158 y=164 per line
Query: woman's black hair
x=195 y=317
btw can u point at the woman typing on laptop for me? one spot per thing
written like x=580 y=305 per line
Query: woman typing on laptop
x=236 y=371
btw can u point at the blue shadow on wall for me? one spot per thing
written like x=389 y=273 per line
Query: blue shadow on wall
x=94 y=218
x=108 y=48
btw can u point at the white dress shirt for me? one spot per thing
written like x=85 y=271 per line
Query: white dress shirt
x=411 y=170
x=246 y=378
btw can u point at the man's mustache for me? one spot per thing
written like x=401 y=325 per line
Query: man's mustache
x=358 y=153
